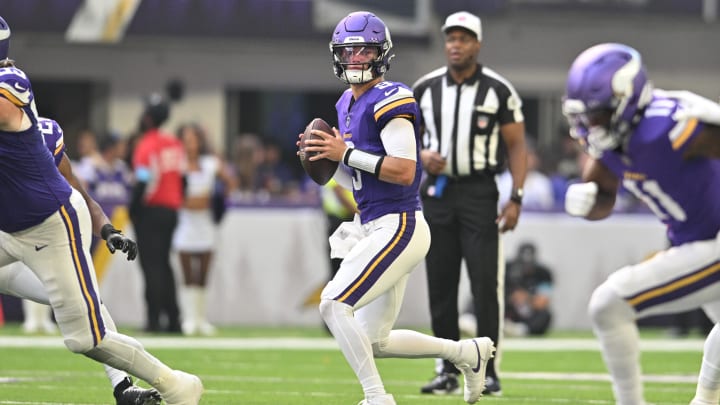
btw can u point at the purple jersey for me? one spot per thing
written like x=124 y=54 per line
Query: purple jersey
x=684 y=194
x=360 y=122
x=32 y=187
x=53 y=137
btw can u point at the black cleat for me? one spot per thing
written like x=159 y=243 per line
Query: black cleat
x=442 y=384
x=134 y=395
x=492 y=387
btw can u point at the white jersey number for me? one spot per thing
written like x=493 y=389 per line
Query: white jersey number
x=661 y=204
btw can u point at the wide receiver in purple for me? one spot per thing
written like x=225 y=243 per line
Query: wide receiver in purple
x=45 y=224
x=664 y=147
x=377 y=143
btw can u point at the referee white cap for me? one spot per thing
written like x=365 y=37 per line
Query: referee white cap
x=463 y=19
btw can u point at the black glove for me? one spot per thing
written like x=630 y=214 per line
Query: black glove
x=115 y=240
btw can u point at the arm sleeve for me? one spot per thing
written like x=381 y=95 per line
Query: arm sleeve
x=398 y=138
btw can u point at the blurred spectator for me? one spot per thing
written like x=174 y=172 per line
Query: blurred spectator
x=538 y=188
x=247 y=154
x=87 y=155
x=528 y=289
x=273 y=173
x=157 y=195
x=194 y=237
x=110 y=181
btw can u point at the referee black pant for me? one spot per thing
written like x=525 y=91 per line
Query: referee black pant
x=462 y=225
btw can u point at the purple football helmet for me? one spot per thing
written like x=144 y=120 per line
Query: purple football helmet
x=4 y=39
x=360 y=29
x=605 y=79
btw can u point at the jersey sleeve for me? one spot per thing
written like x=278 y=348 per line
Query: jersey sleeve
x=53 y=137
x=15 y=86
x=683 y=130
x=396 y=101
x=510 y=106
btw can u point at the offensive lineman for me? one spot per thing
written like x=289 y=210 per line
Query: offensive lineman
x=44 y=220
x=18 y=280
x=664 y=148
x=377 y=142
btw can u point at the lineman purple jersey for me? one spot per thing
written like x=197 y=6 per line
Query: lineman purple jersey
x=360 y=123
x=32 y=187
x=684 y=194
x=53 y=137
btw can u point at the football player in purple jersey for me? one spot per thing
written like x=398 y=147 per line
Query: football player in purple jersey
x=46 y=224
x=377 y=144
x=18 y=280
x=663 y=147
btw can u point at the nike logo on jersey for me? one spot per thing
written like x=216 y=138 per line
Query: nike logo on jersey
x=40 y=247
x=18 y=87
x=391 y=91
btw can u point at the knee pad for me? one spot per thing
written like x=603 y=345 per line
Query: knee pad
x=331 y=308
x=79 y=344
x=606 y=309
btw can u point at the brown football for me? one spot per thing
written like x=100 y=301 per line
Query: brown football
x=321 y=170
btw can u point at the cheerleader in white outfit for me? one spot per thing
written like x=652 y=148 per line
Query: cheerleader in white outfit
x=194 y=236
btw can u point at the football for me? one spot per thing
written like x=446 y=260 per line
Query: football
x=322 y=170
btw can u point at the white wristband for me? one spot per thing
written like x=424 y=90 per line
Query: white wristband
x=364 y=161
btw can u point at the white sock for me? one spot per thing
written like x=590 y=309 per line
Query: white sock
x=113 y=374
x=354 y=345
x=200 y=304
x=708 y=386
x=615 y=327
x=411 y=344
x=621 y=353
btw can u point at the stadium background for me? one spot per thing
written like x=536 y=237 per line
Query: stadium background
x=263 y=66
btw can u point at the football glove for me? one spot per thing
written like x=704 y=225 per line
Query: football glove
x=580 y=198
x=115 y=240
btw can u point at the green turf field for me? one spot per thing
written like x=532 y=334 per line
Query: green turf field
x=302 y=366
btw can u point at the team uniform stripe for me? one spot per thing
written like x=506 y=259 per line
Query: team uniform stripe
x=377 y=266
x=676 y=288
x=59 y=149
x=82 y=270
x=685 y=134
x=11 y=97
x=402 y=101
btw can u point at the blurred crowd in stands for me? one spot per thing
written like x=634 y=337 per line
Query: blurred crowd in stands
x=267 y=172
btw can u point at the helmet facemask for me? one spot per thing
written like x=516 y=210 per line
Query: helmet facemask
x=357 y=64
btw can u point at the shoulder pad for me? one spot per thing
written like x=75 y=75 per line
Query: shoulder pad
x=52 y=134
x=15 y=86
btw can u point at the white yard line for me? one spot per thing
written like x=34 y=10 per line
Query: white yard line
x=511 y=344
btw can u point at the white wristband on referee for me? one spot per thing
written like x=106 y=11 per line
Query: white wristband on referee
x=364 y=161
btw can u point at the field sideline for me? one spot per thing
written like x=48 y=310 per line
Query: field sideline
x=301 y=370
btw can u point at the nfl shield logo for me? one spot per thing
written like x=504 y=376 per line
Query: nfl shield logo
x=347 y=121
x=482 y=121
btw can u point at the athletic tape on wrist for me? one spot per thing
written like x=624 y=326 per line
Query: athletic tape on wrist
x=364 y=161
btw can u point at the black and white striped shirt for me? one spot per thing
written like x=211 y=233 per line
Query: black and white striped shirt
x=462 y=122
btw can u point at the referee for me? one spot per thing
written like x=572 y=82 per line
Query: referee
x=473 y=129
